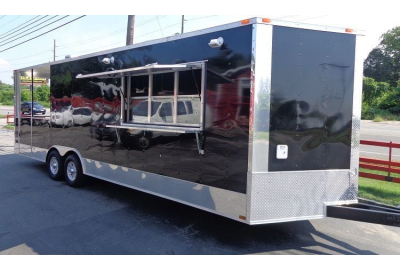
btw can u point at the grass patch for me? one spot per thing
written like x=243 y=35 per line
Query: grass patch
x=378 y=115
x=380 y=191
x=380 y=172
x=10 y=127
x=3 y=115
x=378 y=118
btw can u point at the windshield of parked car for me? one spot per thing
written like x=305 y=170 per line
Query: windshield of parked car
x=142 y=107
x=37 y=105
x=82 y=111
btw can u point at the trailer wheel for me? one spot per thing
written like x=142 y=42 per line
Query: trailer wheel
x=55 y=165
x=73 y=171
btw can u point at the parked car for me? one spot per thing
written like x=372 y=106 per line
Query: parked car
x=63 y=117
x=188 y=112
x=26 y=107
x=82 y=116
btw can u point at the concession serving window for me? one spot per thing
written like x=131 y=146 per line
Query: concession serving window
x=157 y=97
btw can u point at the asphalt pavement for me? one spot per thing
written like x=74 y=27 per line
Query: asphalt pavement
x=6 y=109
x=382 y=132
x=42 y=216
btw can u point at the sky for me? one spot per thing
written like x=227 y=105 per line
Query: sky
x=94 y=33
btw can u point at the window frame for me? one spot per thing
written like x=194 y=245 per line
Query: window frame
x=126 y=76
x=175 y=98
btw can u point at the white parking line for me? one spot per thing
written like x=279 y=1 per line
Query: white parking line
x=374 y=134
x=375 y=153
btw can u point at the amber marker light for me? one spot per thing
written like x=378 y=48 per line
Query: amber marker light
x=242 y=217
x=266 y=20
x=349 y=30
x=247 y=21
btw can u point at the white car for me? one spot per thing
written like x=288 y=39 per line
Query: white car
x=188 y=112
x=62 y=117
x=82 y=116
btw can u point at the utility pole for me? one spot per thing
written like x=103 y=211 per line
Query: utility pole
x=130 y=29
x=183 y=22
x=54 y=51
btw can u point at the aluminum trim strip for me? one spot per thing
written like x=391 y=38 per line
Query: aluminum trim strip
x=157 y=128
x=269 y=221
x=261 y=104
x=222 y=202
x=145 y=70
x=307 y=26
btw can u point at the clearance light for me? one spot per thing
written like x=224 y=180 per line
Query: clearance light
x=242 y=217
x=266 y=20
x=349 y=30
x=247 y=21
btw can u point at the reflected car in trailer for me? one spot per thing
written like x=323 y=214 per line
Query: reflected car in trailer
x=63 y=117
x=81 y=116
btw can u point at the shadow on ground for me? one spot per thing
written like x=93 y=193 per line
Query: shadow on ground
x=38 y=215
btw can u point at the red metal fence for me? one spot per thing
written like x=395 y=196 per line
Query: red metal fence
x=387 y=166
x=8 y=119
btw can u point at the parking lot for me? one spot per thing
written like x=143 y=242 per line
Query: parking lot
x=41 y=216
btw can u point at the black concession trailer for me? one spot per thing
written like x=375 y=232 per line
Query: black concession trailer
x=257 y=121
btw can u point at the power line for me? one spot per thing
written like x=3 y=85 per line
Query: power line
x=121 y=41
x=286 y=17
x=2 y=35
x=91 y=39
x=158 y=30
x=200 y=18
x=85 y=41
x=44 y=33
x=36 y=61
x=32 y=31
x=109 y=34
x=29 y=56
x=160 y=26
x=317 y=17
x=10 y=21
x=143 y=23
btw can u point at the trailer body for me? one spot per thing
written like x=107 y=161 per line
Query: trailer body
x=262 y=128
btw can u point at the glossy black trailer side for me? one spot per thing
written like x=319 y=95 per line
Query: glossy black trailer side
x=225 y=159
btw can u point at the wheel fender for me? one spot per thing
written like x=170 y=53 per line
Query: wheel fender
x=64 y=151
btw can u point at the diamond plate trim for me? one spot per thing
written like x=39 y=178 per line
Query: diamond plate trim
x=355 y=155
x=292 y=195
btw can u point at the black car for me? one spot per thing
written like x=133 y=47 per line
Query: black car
x=37 y=108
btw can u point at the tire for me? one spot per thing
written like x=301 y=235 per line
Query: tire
x=73 y=171
x=55 y=166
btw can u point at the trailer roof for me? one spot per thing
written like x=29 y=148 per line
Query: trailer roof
x=245 y=22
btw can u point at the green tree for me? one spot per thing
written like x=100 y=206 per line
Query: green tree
x=383 y=62
x=25 y=95
x=373 y=91
x=390 y=101
x=7 y=97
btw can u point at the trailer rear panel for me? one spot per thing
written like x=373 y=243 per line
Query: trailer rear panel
x=311 y=99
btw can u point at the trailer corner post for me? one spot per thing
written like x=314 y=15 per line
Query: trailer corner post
x=260 y=91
